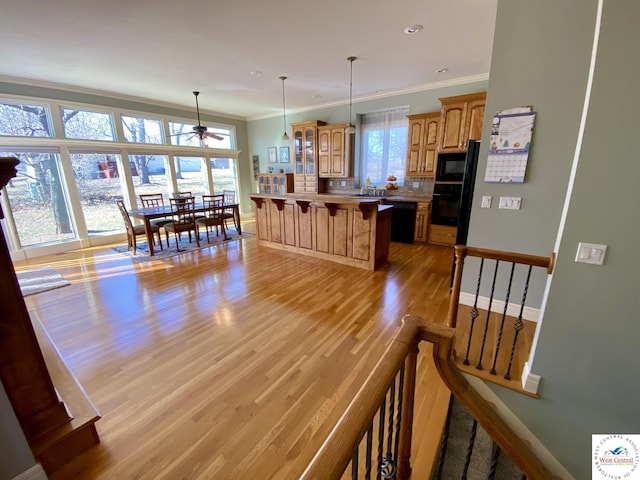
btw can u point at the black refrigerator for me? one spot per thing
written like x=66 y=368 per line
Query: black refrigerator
x=466 y=195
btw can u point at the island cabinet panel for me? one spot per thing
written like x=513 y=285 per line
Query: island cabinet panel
x=275 y=223
x=262 y=222
x=304 y=228
x=361 y=237
x=341 y=229
x=340 y=234
x=322 y=229
x=288 y=218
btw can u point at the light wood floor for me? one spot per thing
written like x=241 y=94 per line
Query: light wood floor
x=232 y=362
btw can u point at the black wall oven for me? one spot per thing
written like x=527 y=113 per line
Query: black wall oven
x=445 y=205
x=450 y=167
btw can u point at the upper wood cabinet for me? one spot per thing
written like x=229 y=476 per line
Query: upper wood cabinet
x=335 y=151
x=305 y=155
x=424 y=129
x=462 y=118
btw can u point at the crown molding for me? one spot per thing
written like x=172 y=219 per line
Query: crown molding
x=389 y=93
x=118 y=96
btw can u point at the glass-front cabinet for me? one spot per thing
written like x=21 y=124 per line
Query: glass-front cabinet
x=305 y=148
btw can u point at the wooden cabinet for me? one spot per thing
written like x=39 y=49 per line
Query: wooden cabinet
x=275 y=183
x=442 y=235
x=461 y=118
x=335 y=151
x=422 y=144
x=305 y=155
x=423 y=213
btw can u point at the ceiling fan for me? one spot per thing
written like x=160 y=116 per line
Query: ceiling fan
x=200 y=130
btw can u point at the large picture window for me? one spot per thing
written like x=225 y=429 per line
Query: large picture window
x=384 y=145
x=25 y=120
x=67 y=186
x=87 y=125
x=39 y=206
x=142 y=130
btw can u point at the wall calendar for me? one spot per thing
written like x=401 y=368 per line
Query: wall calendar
x=509 y=145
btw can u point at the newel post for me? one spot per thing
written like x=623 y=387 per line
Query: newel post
x=408 y=401
x=452 y=316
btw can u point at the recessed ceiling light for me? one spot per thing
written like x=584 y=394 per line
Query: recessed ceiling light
x=255 y=73
x=413 y=29
x=442 y=70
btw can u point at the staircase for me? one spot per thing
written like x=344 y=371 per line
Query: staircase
x=467 y=452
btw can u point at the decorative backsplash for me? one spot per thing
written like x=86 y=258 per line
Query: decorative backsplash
x=423 y=186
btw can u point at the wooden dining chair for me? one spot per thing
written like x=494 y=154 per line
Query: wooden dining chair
x=183 y=219
x=229 y=197
x=133 y=231
x=149 y=200
x=212 y=215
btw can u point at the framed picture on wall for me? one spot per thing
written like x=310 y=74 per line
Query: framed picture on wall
x=284 y=154
x=272 y=154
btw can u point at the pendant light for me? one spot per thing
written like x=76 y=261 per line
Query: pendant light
x=284 y=115
x=350 y=129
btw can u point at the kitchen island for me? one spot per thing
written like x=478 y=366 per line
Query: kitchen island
x=349 y=230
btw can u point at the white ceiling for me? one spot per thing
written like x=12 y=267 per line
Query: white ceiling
x=162 y=51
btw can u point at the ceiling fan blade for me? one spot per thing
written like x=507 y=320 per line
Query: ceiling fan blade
x=214 y=136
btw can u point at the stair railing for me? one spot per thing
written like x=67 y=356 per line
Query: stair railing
x=504 y=272
x=354 y=432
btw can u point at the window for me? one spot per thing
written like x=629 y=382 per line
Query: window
x=182 y=134
x=38 y=201
x=86 y=125
x=223 y=171
x=99 y=186
x=190 y=175
x=150 y=174
x=25 y=120
x=142 y=130
x=384 y=145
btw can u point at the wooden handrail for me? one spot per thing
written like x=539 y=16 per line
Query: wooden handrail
x=335 y=454
x=462 y=251
x=333 y=457
x=511 y=444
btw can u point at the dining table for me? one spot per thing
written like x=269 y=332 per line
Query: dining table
x=149 y=213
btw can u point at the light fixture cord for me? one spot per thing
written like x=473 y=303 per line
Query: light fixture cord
x=351 y=59
x=284 y=112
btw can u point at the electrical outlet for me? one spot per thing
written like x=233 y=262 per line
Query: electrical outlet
x=486 y=201
x=510 y=203
x=416 y=184
x=343 y=183
x=331 y=183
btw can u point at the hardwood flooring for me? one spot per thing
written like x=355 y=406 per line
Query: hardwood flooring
x=230 y=362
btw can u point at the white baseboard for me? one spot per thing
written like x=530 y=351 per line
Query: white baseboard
x=520 y=428
x=513 y=309
x=530 y=381
x=34 y=473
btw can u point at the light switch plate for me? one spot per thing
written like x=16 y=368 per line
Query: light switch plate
x=486 y=201
x=510 y=203
x=331 y=183
x=343 y=183
x=416 y=184
x=592 y=253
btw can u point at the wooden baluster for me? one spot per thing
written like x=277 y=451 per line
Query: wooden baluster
x=504 y=315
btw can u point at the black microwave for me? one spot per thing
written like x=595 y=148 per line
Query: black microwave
x=450 y=167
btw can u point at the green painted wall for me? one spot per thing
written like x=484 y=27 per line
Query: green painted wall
x=587 y=343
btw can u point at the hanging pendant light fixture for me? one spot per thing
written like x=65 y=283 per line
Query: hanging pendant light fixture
x=351 y=128
x=284 y=114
